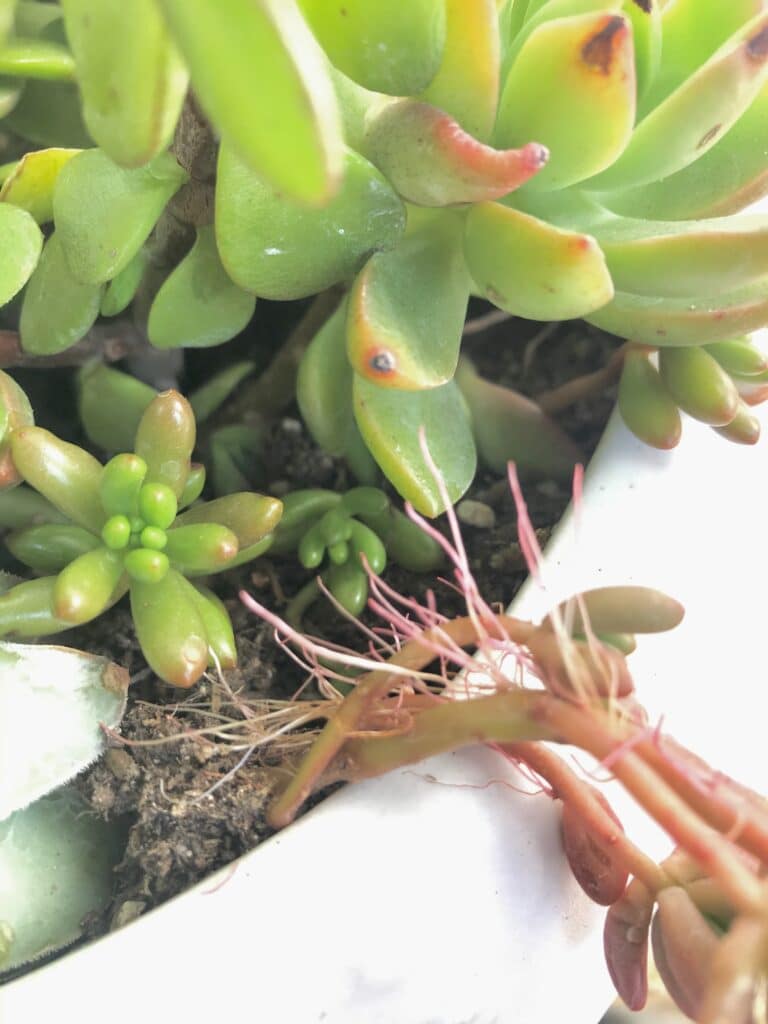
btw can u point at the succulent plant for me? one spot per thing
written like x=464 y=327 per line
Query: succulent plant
x=345 y=535
x=559 y=158
x=99 y=532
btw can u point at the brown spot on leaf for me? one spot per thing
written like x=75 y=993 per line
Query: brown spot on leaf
x=757 y=47
x=598 y=51
x=708 y=136
x=383 y=363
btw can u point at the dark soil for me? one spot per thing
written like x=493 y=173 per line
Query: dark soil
x=192 y=804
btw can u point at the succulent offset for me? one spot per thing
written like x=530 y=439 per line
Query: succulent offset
x=95 y=533
x=560 y=158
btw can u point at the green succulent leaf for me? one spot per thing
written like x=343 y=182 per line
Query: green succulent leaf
x=262 y=80
x=406 y=310
x=104 y=213
x=218 y=626
x=15 y=412
x=21 y=507
x=250 y=516
x=120 y=291
x=6 y=18
x=744 y=428
x=691 y=120
x=49 y=114
x=699 y=385
x=324 y=394
x=577 y=78
x=87 y=585
x=508 y=427
x=201 y=547
x=211 y=395
x=628 y=609
x=467 y=82
x=392 y=48
x=37 y=58
x=432 y=161
x=645 y=404
x=26 y=610
x=645 y=16
x=131 y=77
x=170 y=629
x=57 y=310
x=276 y=249
x=697 y=320
x=63 y=473
x=111 y=404
x=739 y=356
x=348 y=582
x=531 y=268
x=10 y=94
x=729 y=176
x=198 y=304
x=165 y=439
x=49 y=547
x=22 y=243
x=31 y=184
x=390 y=422
x=57 y=838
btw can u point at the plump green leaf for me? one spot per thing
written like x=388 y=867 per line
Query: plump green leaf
x=49 y=547
x=210 y=396
x=10 y=94
x=698 y=384
x=57 y=309
x=15 y=412
x=6 y=18
x=55 y=838
x=324 y=394
x=279 y=250
x=532 y=269
x=744 y=428
x=32 y=182
x=696 y=115
x=198 y=304
x=48 y=114
x=392 y=48
x=121 y=290
x=508 y=427
x=626 y=609
x=431 y=161
x=647 y=33
x=250 y=516
x=645 y=404
x=21 y=506
x=165 y=438
x=85 y=587
x=406 y=310
x=131 y=77
x=263 y=81
x=38 y=59
x=218 y=626
x=22 y=243
x=111 y=404
x=390 y=422
x=740 y=356
x=104 y=213
x=572 y=89
x=467 y=82
x=170 y=629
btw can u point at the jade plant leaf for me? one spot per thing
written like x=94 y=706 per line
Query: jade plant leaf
x=121 y=290
x=577 y=78
x=40 y=59
x=110 y=405
x=391 y=421
x=65 y=696
x=405 y=136
x=49 y=114
x=199 y=304
x=692 y=119
x=533 y=269
x=279 y=250
x=392 y=48
x=467 y=82
x=104 y=213
x=58 y=309
x=262 y=79
x=407 y=308
x=324 y=394
x=131 y=77
x=15 y=412
x=170 y=629
x=507 y=426
x=55 y=838
x=20 y=250
x=165 y=439
x=33 y=180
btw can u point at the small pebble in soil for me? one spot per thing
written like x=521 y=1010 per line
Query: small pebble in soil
x=476 y=513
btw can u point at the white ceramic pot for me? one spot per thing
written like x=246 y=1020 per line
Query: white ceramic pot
x=440 y=895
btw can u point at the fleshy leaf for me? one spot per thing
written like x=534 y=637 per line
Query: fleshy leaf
x=120 y=291
x=48 y=114
x=507 y=426
x=572 y=89
x=646 y=405
x=467 y=82
x=22 y=243
x=57 y=309
x=744 y=428
x=533 y=269
x=104 y=213
x=68 y=695
x=49 y=547
x=54 y=838
x=111 y=404
x=696 y=115
x=131 y=77
x=198 y=304
x=85 y=587
x=680 y=321
x=279 y=250
x=392 y=48
x=699 y=385
x=165 y=438
x=407 y=309
x=324 y=394
x=6 y=18
x=31 y=184
x=262 y=79
x=15 y=412
x=40 y=59
x=390 y=422
x=170 y=629
x=250 y=516
x=432 y=161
